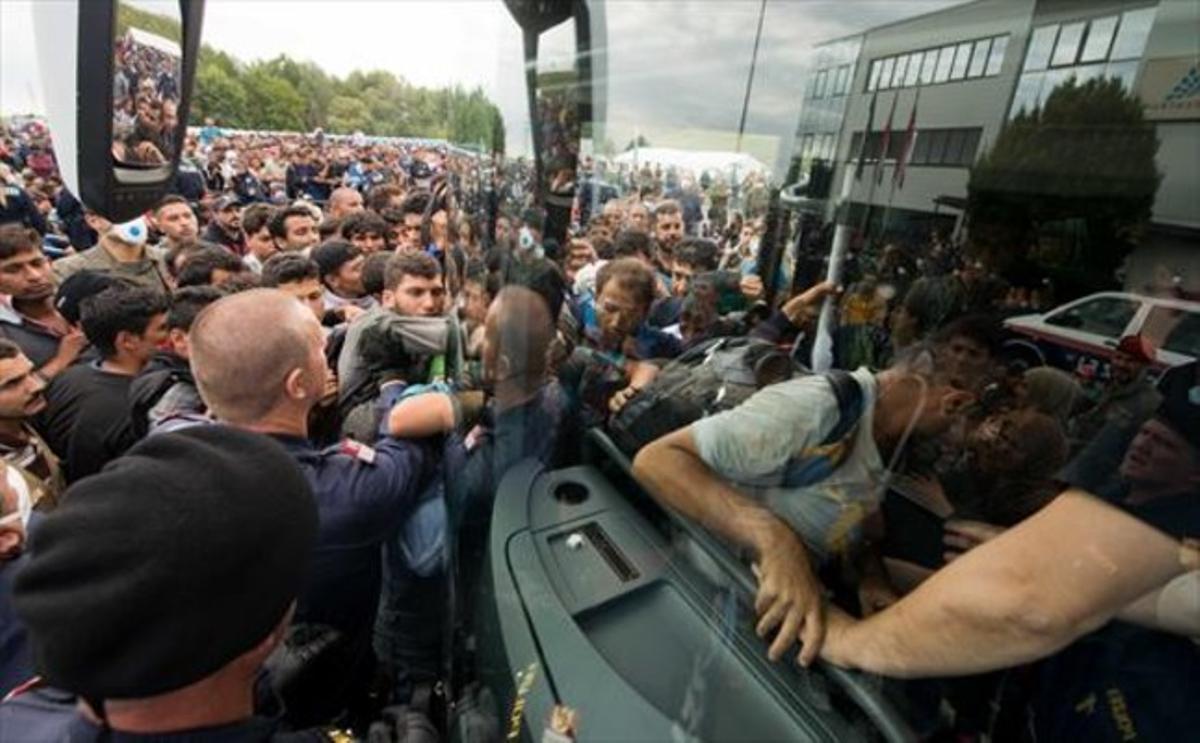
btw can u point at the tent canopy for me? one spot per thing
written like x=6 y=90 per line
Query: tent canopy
x=695 y=160
x=165 y=45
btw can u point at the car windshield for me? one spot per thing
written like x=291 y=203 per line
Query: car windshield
x=697 y=370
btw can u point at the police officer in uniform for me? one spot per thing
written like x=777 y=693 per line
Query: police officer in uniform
x=155 y=592
x=259 y=363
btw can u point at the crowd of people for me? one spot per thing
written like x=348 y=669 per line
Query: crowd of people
x=145 y=101
x=318 y=356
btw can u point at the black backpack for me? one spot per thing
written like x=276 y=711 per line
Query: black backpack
x=718 y=375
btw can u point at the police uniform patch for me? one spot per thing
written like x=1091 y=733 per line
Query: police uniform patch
x=359 y=451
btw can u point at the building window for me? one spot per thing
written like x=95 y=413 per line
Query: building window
x=1123 y=71
x=841 y=83
x=1132 y=34
x=996 y=57
x=979 y=58
x=953 y=62
x=929 y=66
x=1041 y=43
x=962 y=57
x=1099 y=39
x=1066 y=50
x=822 y=80
x=912 y=77
x=1078 y=50
x=945 y=62
x=900 y=71
x=885 y=73
x=933 y=147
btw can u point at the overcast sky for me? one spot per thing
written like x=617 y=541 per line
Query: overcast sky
x=675 y=67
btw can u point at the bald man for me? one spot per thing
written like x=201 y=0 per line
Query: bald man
x=343 y=202
x=259 y=362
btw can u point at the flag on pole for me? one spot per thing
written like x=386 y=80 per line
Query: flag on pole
x=862 y=146
x=910 y=136
x=887 y=140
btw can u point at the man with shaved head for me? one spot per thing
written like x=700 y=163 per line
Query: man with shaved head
x=344 y=201
x=259 y=363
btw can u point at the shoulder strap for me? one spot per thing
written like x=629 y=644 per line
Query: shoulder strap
x=849 y=396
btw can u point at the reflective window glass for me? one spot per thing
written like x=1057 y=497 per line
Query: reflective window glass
x=1099 y=39
x=1083 y=73
x=843 y=80
x=945 y=62
x=1066 y=50
x=1106 y=316
x=971 y=146
x=1132 y=33
x=822 y=81
x=937 y=147
x=955 y=139
x=1126 y=72
x=1028 y=89
x=962 y=57
x=900 y=71
x=929 y=66
x=920 y=153
x=996 y=57
x=885 y=73
x=979 y=58
x=1054 y=79
x=873 y=76
x=1041 y=43
x=912 y=76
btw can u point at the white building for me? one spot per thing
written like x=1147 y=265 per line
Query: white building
x=969 y=69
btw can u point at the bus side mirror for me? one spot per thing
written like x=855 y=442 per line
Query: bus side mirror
x=117 y=78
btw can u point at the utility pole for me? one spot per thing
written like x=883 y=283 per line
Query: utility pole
x=762 y=12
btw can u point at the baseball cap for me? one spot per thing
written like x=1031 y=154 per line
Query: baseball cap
x=225 y=201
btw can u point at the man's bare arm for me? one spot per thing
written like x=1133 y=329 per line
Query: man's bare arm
x=789 y=595
x=1021 y=596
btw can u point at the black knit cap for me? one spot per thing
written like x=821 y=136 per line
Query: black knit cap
x=175 y=559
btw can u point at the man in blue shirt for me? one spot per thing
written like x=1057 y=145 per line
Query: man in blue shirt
x=259 y=362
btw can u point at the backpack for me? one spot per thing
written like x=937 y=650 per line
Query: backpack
x=719 y=375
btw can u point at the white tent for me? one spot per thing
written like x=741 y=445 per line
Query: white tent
x=154 y=41
x=696 y=161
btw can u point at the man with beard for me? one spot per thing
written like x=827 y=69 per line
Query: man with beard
x=29 y=318
x=668 y=232
x=1129 y=397
x=174 y=218
x=225 y=229
x=523 y=420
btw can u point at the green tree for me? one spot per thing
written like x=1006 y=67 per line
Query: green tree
x=274 y=103
x=218 y=95
x=1086 y=159
x=349 y=115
